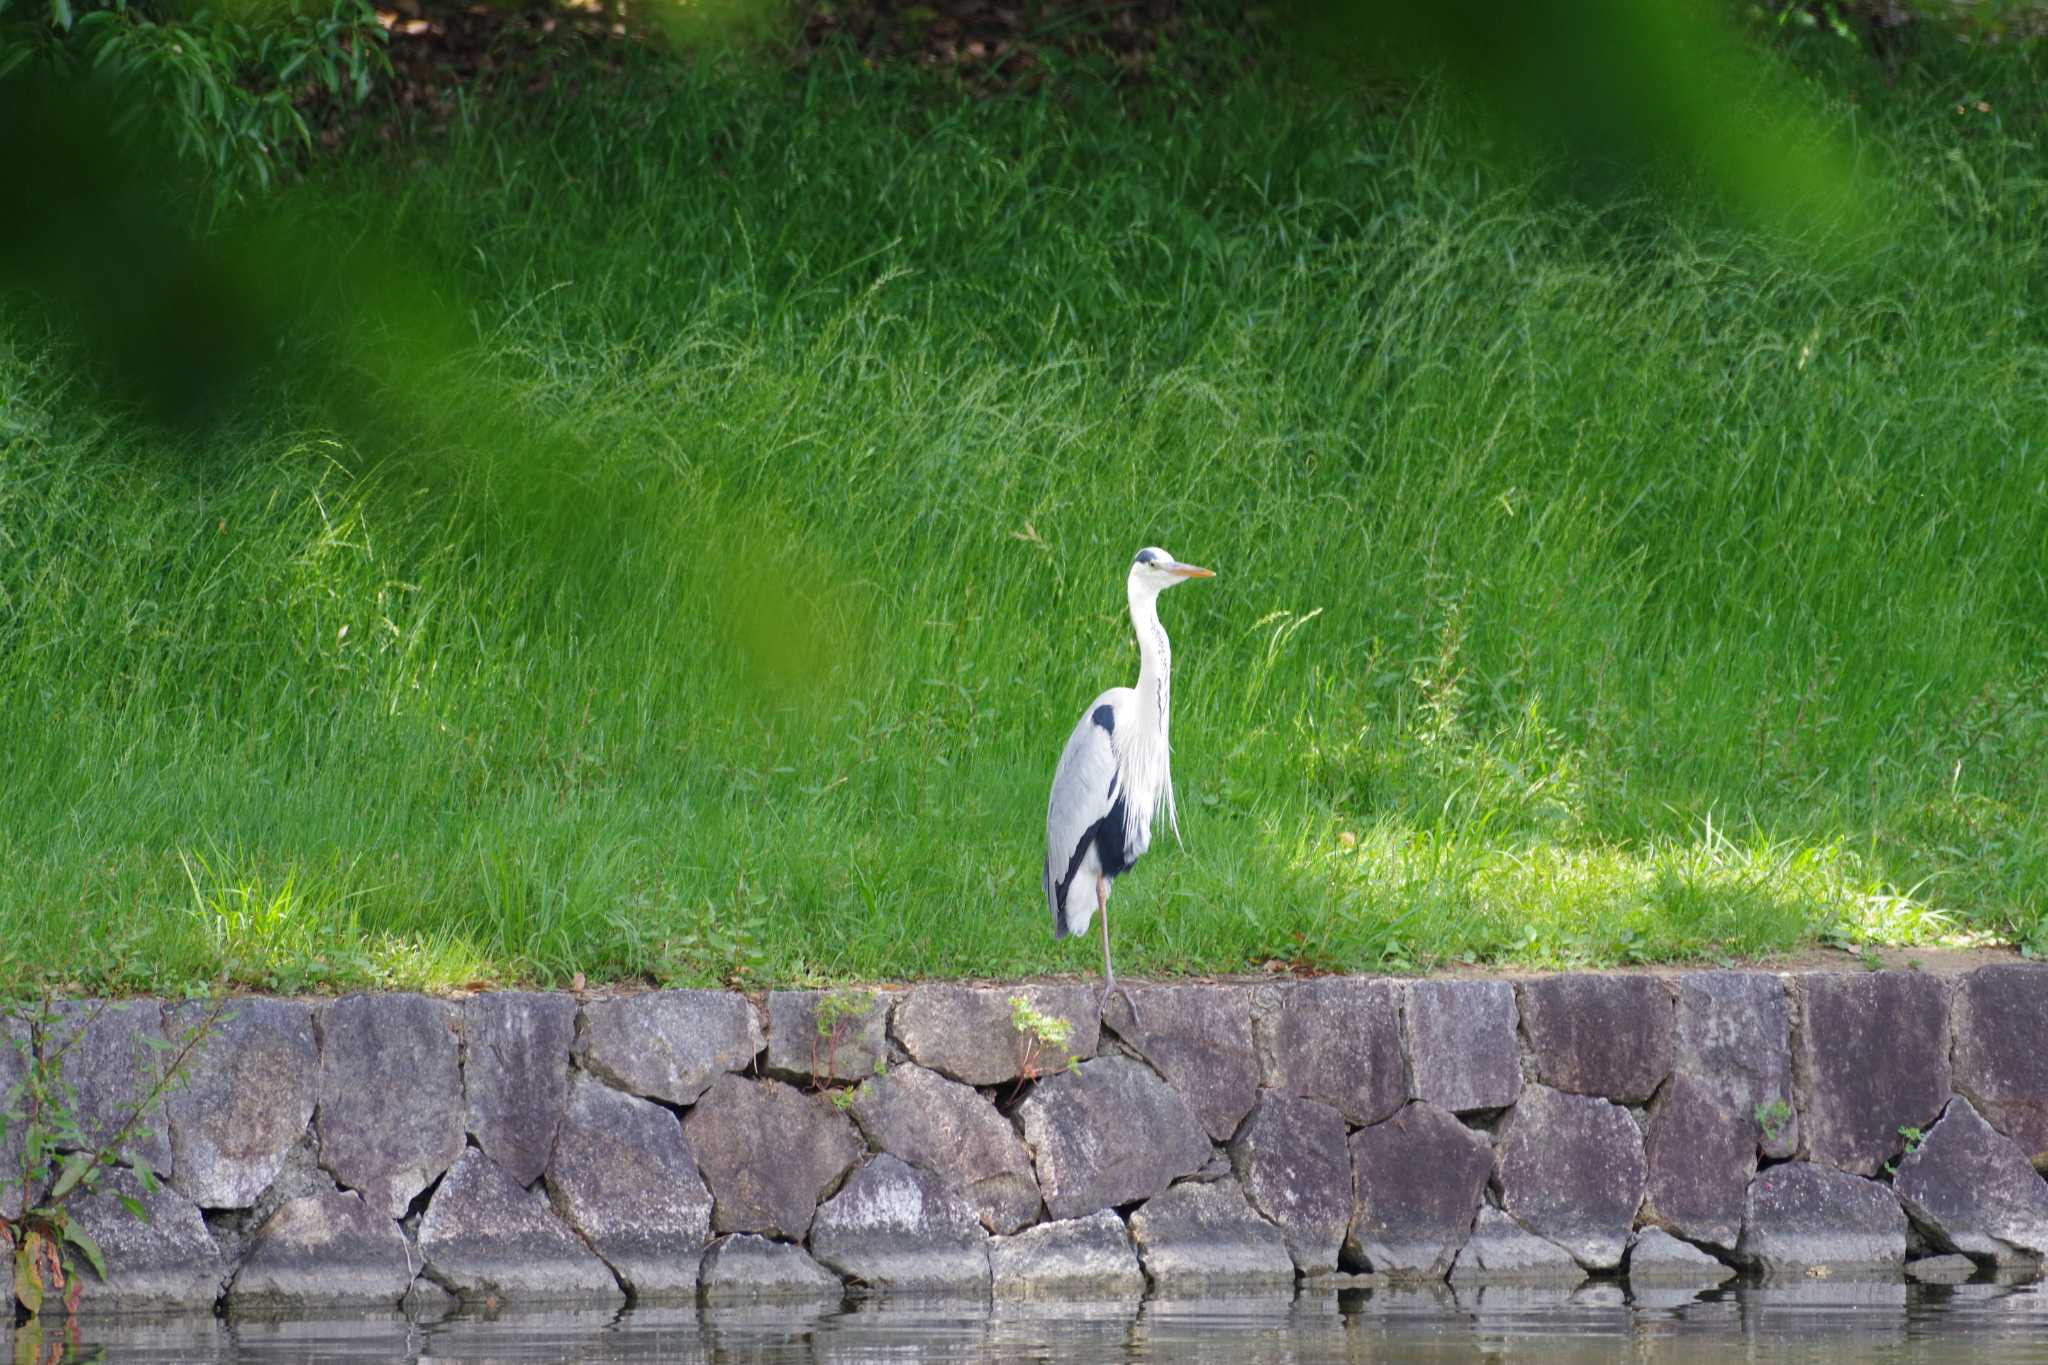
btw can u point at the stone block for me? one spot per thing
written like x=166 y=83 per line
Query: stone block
x=744 y=1266
x=1203 y=1233
x=112 y=1069
x=324 y=1251
x=1952 y=1269
x=1733 y=1039
x=299 y=1177
x=949 y=1129
x=164 y=1263
x=1701 y=1155
x=1291 y=1160
x=14 y=1040
x=896 y=1227
x=1608 y=1036
x=1463 y=1048
x=515 y=1075
x=247 y=1098
x=2001 y=1018
x=487 y=1240
x=769 y=1153
x=1109 y=1133
x=852 y=1044
x=1502 y=1251
x=1871 y=1057
x=1336 y=1040
x=1200 y=1039
x=668 y=1045
x=1079 y=1256
x=621 y=1176
x=1571 y=1169
x=1972 y=1190
x=1799 y=1216
x=390 y=1115
x=1417 y=1182
x=968 y=1033
x=1656 y=1257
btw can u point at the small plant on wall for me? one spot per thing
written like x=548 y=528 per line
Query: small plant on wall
x=1772 y=1118
x=55 y=1160
x=838 y=1013
x=1041 y=1040
x=1912 y=1137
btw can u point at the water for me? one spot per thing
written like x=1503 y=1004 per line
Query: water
x=1813 y=1320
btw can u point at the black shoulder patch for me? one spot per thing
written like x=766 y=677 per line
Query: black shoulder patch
x=1105 y=716
x=1109 y=841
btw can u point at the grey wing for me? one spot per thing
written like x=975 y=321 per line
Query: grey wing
x=1086 y=787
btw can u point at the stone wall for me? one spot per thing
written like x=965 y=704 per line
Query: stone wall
x=381 y=1149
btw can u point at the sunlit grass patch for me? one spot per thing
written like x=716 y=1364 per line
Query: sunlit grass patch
x=1448 y=898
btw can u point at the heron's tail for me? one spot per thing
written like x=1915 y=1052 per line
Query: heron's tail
x=1074 y=911
x=1059 y=912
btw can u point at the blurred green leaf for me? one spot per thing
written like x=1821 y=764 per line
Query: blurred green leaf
x=1624 y=87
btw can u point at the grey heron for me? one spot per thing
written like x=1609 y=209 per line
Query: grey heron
x=1115 y=772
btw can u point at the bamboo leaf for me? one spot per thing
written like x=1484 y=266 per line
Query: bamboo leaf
x=81 y=1239
x=75 y=1168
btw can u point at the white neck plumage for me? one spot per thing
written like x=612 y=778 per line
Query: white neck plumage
x=1155 y=654
x=1155 y=691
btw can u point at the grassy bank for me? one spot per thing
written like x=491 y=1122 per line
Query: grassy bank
x=711 y=599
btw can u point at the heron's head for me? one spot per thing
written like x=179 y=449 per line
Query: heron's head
x=1155 y=570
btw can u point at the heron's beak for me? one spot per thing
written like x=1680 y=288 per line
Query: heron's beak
x=1191 y=571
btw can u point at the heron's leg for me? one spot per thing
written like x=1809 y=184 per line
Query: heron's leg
x=1102 y=913
x=1109 y=986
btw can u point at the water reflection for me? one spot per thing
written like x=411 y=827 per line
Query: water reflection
x=1815 y=1319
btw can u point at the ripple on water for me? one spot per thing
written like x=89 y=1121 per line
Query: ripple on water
x=1810 y=1319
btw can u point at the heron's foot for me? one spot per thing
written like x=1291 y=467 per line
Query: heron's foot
x=1115 y=987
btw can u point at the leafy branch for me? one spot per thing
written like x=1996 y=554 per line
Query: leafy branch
x=59 y=1158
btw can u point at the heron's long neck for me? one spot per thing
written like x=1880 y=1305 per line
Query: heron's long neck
x=1155 y=657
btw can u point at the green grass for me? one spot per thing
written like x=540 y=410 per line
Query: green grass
x=694 y=562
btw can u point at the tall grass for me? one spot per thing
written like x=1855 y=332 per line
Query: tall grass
x=1596 y=583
